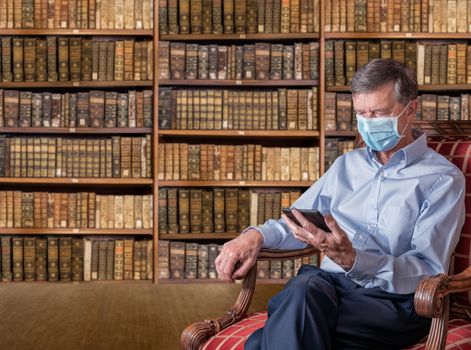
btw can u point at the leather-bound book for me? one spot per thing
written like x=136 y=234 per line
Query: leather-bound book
x=163 y=211
x=217 y=17
x=212 y=255
x=40 y=259
x=77 y=258
x=184 y=210
x=203 y=262
x=443 y=107
x=63 y=54
x=75 y=53
x=18 y=258
x=11 y=107
x=451 y=64
x=110 y=249
x=231 y=206
x=219 y=210
x=173 y=210
x=102 y=255
x=6 y=258
x=128 y=259
x=65 y=258
x=177 y=260
x=461 y=63
x=110 y=117
x=191 y=260
x=29 y=252
x=163 y=260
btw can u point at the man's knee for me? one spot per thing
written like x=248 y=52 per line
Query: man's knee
x=310 y=285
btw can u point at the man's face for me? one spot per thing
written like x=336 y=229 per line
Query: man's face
x=381 y=103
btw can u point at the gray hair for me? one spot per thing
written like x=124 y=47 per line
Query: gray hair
x=379 y=72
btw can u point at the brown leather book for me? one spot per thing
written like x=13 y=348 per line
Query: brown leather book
x=163 y=264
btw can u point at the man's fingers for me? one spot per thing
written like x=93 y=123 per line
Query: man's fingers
x=305 y=223
x=228 y=267
x=243 y=269
x=337 y=233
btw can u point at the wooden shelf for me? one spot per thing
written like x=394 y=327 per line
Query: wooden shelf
x=338 y=133
x=396 y=35
x=97 y=32
x=75 y=84
x=255 y=83
x=75 y=181
x=448 y=127
x=97 y=131
x=239 y=37
x=179 y=183
x=217 y=281
x=191 y=236
x=291 y=134
x=76 y=231
x=438 y=88
x=445 y=87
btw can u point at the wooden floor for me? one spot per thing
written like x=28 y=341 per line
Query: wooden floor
x=121 y=316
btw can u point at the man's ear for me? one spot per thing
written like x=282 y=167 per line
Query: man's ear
x=412 y=110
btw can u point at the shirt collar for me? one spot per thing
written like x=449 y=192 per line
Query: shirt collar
x=409 y=153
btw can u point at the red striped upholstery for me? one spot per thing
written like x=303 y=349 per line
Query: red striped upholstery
x=458 y=151
x=234 y=337
x=459 y=336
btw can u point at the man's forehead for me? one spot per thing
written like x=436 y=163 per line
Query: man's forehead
x=383 y=96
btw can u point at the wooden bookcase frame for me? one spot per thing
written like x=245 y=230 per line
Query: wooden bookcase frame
x=166 y=135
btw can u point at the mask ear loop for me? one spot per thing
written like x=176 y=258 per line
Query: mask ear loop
x=400 y=115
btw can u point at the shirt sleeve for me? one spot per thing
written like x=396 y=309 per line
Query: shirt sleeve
x=435 y=236
x=276 y=234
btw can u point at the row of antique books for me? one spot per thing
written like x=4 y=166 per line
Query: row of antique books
x=238 y=16
x=75 y=59
x=73 y=14
x=210 y=210
x=180 y=260
x=66 y=258
x=281 y=109
x=182 y=161
x=116 y=156
x=436 y=62
x=443 y=107
x=340 y=115
x=335 y=147
x=261 y=61
x=96 y=108
x=74 y=210
x=427 y=16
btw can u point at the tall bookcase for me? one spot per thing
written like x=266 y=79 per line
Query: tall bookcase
x=59 y=27
x=368 y=15
x=295 y=138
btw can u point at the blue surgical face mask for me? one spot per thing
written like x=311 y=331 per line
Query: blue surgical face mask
x=380 y=133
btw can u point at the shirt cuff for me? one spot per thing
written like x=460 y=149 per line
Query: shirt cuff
x=365 y=266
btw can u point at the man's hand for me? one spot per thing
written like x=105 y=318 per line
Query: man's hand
x=336 y=244
x=243 y=250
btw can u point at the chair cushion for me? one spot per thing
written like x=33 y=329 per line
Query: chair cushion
x=234 y=337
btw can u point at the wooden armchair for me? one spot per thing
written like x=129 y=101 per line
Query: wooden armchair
x=445 y=298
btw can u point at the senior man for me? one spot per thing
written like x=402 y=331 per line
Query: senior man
x=395 y=209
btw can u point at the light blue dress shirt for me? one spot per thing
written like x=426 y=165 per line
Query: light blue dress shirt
x=403 y=218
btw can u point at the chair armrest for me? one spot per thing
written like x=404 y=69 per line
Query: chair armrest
x=196 y=334
x=431 y=292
